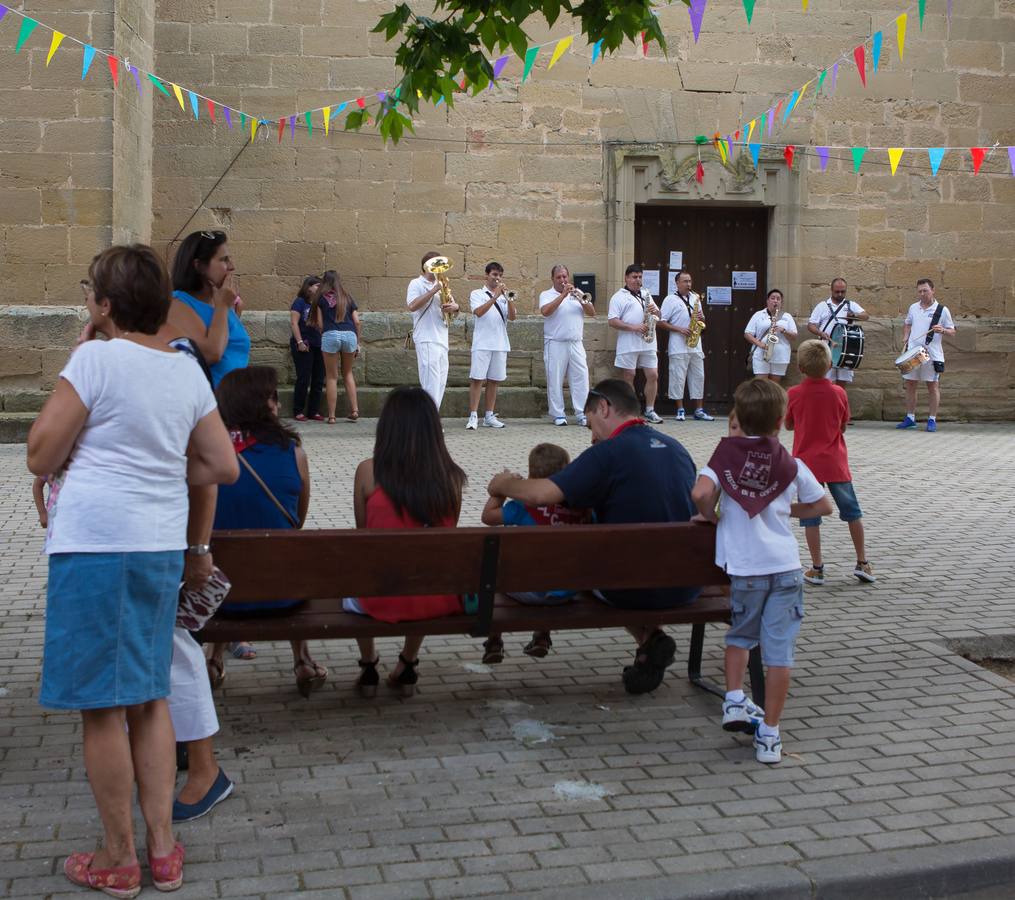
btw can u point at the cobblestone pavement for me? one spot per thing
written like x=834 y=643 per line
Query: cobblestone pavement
x=893 y=742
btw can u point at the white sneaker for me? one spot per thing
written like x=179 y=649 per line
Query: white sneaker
x=473 y=422
x=652 y=417
x=744 y=716
x=560 y=420
x=768 y=748
x=703 y=416
x=680 y=417
x=583 y=422
x=490 y=420
x=864 y=572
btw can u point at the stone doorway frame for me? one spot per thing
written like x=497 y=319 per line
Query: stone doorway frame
x=664 y=174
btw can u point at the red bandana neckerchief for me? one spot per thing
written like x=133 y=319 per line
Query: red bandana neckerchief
x=630 y=423
x=241 y=441
x=753 y=471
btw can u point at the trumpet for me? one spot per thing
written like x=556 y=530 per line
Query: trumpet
x=580 y=296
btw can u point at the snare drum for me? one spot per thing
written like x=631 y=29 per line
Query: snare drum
x=847 y=346
x=912 y=359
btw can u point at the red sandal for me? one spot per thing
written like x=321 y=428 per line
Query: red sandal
x=167 y=871
x=123 y=882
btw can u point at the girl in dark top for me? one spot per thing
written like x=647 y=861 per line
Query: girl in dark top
x=334 y=313
x=305 y=347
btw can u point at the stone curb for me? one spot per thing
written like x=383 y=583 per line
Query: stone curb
x=947 y=870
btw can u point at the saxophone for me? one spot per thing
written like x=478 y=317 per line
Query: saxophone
x=650 y=317
x=696 y=328
x=771 y=339
x=439 y=266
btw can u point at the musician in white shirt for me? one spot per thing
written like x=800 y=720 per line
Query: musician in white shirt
x=836 y=310
x=564 y=312
x=686 y=364
x=771 y=321
x=920 y=323
x=629 y=310
x=429 y=332
x=493 y=309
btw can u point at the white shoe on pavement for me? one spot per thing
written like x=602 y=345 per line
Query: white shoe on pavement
x=582 y=421
x=652 y=417
x=767 y=748
x=743 y=716
x=703 y=416
x=490 y=420
x=560 y=420
x=473 y=422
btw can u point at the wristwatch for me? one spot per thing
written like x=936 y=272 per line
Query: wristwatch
x=199 y=549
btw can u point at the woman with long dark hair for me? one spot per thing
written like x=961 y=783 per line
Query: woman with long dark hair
x=305 y=347
x=335 y=314
x=410 y=482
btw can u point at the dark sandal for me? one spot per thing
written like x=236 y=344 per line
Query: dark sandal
x=353 y=416
x=368 y=678
x=539 y=646
x=216 y=672
x=493 y=651
x=307 y=684
x=405 y=681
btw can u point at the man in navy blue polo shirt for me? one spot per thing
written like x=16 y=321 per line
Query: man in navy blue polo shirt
x=631 y=473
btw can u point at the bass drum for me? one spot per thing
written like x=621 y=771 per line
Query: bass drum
x=847 y=346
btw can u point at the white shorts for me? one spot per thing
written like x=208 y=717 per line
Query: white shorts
x=689 y=369
x=923 y=372
x=839 y=374
x=637 y=359
x=191 y=706
x=488 y=365
x=770 y=368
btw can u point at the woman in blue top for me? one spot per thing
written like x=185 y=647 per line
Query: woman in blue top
x=334 y=313
x=206 y=306
x=305 y=348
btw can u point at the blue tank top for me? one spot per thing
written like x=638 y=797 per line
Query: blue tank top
x=237 y=352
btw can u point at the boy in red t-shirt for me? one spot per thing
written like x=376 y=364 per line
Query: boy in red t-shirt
x=817 y=415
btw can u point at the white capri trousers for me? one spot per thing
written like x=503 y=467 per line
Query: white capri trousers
x=191 y=706
x=565 y=359
x=432 y=365
x=687 y=368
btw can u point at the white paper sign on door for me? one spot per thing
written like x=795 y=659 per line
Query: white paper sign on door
x=676 y=259
x=720 y=295
x=650 y=281
x=745 y=281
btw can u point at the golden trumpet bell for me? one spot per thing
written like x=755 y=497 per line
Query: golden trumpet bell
x=438 y=265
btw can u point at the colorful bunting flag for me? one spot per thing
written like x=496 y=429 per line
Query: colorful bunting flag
x=721 y=147
x=114 y=69
x=281 y=129
x=789 y=106
x=362 y=103
x=1011 y=159
x=337 y=111
x=310 y=124
x=697 y=13
x=292 y=128
x=229 y=117
x=750 y=131
x=949 y=11
x=498 y=66
x=243 y=121
x=821 y=81
x=858 y=153
x=788 y=154
x=53 y=45
x=596 y=50
x=749 y=9
x=978 y=154
x=560 y=50
x=900 y=31
x=27 y=27
x=923 y=9
x=935 y=155
x=894 y=155
x=644 y=44
x=861 y=59
x=86 y=60
x=699 y=173
x=3 y=11
x=253 y=127
x=325 y=114
x=178 y=94
x=530 y=61
x=805 y=5
x=158 y=84
x=211 y=109
x=755 y=153
x=835 y=75
x=822 y=156
x=193 y=104
x=137 y=79
x=876 y=49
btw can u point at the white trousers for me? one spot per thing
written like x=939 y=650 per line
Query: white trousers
x=566 y=359
x=689 y=369
x=191 y=706
x=432 y=365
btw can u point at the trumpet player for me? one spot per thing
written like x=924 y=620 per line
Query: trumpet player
x=564 y=310
x=634 y=314
x=493 y=307
x=429 y=330
x=682 y=316
x=771 y=331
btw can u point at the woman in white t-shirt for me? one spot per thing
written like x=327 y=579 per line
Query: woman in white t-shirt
x=772 y=320
x=130 y=422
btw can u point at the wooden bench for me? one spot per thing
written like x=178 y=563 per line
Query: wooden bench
x=322 y=567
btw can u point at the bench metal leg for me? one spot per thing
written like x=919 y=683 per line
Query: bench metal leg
x=487 y=586
x=694 y=654
x=756 y=670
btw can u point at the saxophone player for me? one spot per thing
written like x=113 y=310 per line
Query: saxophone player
x=771 y=331
x=429 y=329
x=634 y=313
x=684 y=319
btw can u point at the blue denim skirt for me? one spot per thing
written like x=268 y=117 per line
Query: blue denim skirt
x=109 y=628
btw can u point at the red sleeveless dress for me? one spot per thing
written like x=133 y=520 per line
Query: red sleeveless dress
x=381 y=513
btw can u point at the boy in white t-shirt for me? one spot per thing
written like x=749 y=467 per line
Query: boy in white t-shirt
x=759 y=486
x=493 y=309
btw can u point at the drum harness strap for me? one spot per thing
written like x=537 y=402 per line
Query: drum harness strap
x=835 y=312
x=933 y=321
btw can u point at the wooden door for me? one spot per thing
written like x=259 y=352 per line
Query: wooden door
x=716 y=241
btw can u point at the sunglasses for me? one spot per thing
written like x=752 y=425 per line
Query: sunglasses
x=213 y=235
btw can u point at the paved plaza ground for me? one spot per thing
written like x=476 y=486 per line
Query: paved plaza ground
x=897 y=779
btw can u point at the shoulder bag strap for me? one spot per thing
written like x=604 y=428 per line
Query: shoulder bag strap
x=267 y=490
x=933 y=321
x=496 y=306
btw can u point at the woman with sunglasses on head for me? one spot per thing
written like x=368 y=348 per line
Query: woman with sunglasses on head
x=205 y=307
x=335 y=314
x=305 y=348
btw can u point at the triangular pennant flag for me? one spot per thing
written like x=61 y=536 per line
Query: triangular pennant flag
x=644 y=44
x=292 y=128
x=310 y=124
x=53 y=45
x=821 y=81
x=900 y=31
x=361 y=102
x=281 y=129
x=805 y=5
x=382 y=96
x=861 y=61
x=158 y=84
x=755 y=153
x=178 y=93
x=778 y=106
x=790 y=105
x=3 y=11
x=1011 y=159
x=766 y=118
x=243 y=120
x=935 y=155
x=894 y=155
x=923 y=9
x=699 y=173
x=228 y=115
x=193 y=104
x=440 y=100
x=858 y=153
x=86 y=60
x=803 y=91
x=876 y=49
x=137 y=78
x=337 y=111
x=750 y=131
x=697 y=13
x=978 y=153
x=114 y=69
x=596 y=50
x=835 y=75
x=326 y=115
x=560 y=50
x=749 y=9
x=27 y=27
x=211 y=109
x=498 y=66
x=253 y=127
x=729 y=148
x=530 y=61
x=788 y=154
x=721 y=147
x=822 y=156
x=949 y=11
